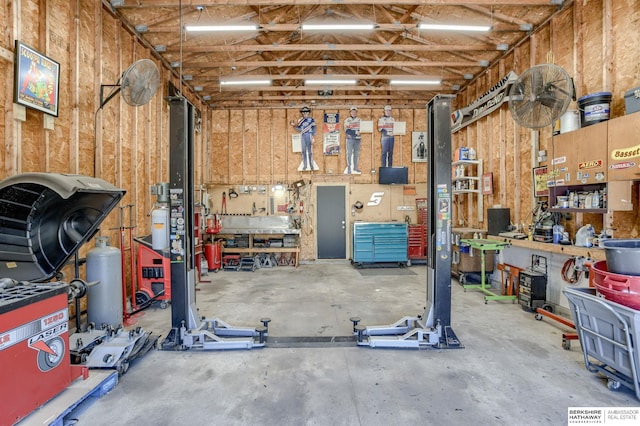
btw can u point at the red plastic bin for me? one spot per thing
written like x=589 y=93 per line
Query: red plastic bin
x=622 y=289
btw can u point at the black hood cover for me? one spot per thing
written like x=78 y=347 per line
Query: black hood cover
x=46 y=217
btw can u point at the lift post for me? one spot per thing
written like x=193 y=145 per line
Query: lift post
x=187 y=329
x=432 y=329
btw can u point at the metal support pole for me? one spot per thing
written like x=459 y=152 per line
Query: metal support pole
x=188 y=330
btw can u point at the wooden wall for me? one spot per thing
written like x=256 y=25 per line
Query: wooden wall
x=250 y=146
x=122 y=144
x=583 y=41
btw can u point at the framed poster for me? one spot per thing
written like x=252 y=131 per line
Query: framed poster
x=331 y=134
x=487 y=183
x=37 y=80
x=419 y=147
x=540 y=188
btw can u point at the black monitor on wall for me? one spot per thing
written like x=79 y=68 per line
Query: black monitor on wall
x=393 y=175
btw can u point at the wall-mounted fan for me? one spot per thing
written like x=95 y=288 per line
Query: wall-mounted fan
x=540 y=96
x=138 y=84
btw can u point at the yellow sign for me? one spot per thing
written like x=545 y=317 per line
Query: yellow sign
x=621 y=154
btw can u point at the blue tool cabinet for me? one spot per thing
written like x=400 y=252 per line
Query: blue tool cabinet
x=378 y=242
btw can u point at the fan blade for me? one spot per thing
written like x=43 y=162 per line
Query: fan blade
x=550 y=101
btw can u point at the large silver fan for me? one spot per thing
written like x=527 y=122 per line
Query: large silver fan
x=540 y=96
x=138 y=84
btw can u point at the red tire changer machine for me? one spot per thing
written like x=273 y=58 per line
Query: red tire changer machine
x=44 y=219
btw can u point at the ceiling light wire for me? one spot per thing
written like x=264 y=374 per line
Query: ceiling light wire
x=375 y=21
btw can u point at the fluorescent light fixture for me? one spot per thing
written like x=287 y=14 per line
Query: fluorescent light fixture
x=337 y=27
x=448 y=27
x=327 y=82
x=209 y=28
x=414 y=82
x=263 y=82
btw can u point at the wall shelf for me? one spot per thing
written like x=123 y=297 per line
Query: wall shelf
x=468 y=182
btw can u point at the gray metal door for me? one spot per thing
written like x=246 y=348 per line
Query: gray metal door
x=331 y=222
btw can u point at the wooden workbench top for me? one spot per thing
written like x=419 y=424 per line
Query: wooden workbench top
x=594 y=253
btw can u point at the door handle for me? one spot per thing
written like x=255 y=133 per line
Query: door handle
x=344 y=224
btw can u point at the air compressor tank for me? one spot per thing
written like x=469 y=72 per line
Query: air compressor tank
x=160 y=217
x=104 y=300
x=160 y=228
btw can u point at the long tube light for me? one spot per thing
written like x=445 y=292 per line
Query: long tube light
x=264 y=82
x=337 y=27
x=209 y=28
x=330 y=81
x=414 y=82
x=448 y=27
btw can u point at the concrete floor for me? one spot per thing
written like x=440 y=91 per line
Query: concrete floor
x=512 y=370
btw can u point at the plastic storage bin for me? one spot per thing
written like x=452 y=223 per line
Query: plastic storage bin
x=608 y=334
x=622 y=289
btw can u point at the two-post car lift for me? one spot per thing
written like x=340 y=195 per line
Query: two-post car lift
x=432 y=329
x=187 y=329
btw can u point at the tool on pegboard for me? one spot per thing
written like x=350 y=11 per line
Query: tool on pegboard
x=224 y=203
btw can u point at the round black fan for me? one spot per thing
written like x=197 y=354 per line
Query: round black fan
x=540 y=96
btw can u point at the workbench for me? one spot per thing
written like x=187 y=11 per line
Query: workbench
x=486 y=245
x=261 y=228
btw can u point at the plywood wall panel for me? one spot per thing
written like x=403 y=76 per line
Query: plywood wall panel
x=235 y=141
x=218 y=160
x=404 y=141
x=376 y=146
x=591 y=28
x=281 y=150
x=264 y=145
x=110 y=64
x=367 y=159
x=31 y=153
x=250 y=145
x=291 y=160
x=626 y=21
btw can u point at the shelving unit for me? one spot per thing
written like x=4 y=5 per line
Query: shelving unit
x=583 y=161
x=469 y=182
x=295 y=250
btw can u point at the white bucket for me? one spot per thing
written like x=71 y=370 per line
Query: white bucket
x=569 y=121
